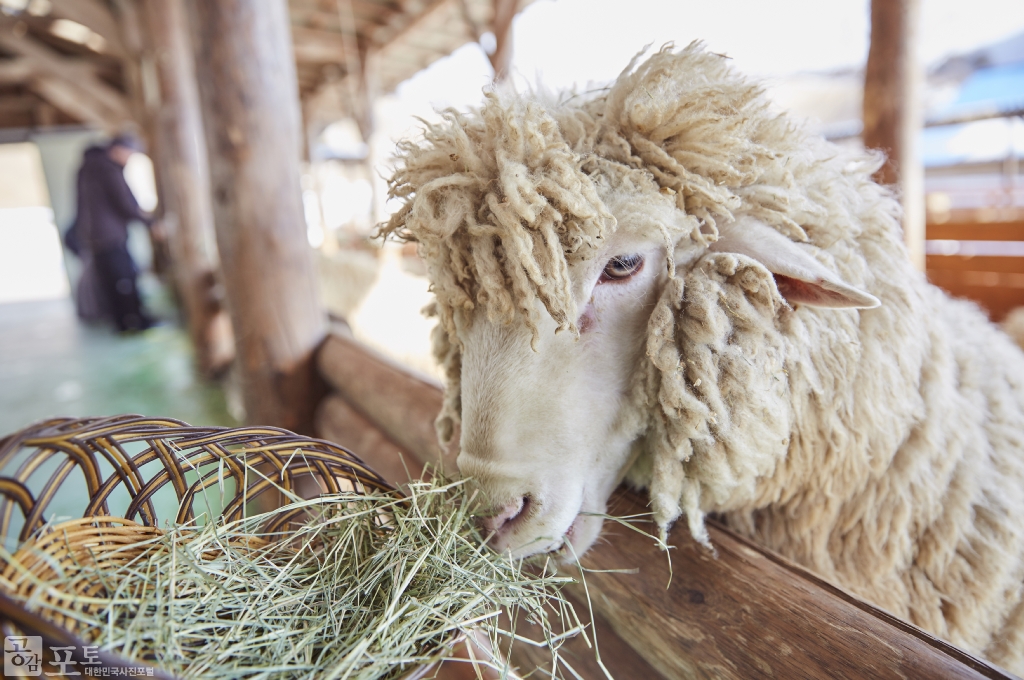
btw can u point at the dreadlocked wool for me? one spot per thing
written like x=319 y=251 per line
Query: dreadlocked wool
x=884 y=450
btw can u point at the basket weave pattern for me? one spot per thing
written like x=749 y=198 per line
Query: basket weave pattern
x=172 y=452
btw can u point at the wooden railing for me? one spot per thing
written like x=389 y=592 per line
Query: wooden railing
x=746 y=613
x=994 y=281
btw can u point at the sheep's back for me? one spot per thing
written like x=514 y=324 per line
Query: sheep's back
x=912 y=495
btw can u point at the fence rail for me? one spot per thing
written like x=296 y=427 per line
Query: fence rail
x=745 y=613
x=996 y=282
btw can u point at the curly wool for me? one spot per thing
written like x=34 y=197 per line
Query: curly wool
x=882 y=448
x=501 y=207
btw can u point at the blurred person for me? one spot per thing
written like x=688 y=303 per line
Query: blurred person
x=108 y=287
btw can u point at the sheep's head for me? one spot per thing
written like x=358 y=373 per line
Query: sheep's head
x=574 y=248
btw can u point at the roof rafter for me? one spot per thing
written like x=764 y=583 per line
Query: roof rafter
x=15 y=71
x=94 y=15
x=63 y=95
x=318 y=46
x=62 y=80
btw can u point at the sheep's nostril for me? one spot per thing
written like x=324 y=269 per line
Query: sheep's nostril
x=504 y=515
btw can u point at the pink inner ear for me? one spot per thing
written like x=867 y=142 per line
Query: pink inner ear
x=796 y=290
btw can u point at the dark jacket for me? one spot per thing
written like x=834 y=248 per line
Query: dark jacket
x=105 y=203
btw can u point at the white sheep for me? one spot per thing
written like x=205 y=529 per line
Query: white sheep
x=1013 y=325
x=741 y=332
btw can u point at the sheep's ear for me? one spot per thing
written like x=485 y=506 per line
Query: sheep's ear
x=799 y=277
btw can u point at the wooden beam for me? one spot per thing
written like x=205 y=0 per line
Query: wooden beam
x=977 y=263
x=45 y=114
x=69 y=99
x=134 y=69
x=997 y=299
x=501 y=26
x=19 y=103
x=977 y=231
x=15 y=71
x=403 y=22
x=78 y=77
x=321 y=103
x=401 y=403
x=339 y=422
x=741 y=614
x=748 y=613
x=182 y=160
x=316 y=46
x=249 y=98
x=892 y=111
x=94 y=15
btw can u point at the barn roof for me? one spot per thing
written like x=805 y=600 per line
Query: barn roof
x=74 y=61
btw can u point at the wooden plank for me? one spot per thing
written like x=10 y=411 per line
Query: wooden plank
x=94 y=15
x=319 y=47
x=314 y=17
x=979 y=113
x=975 y=231
x=745 y=613
x=338 y=422
x=748 y=613
x=997 y=301
x=952 y=279
x=68 y=99
x=19 y=103
x=135 y=72
x=403 y=23
x=45 y=114
x=622 y=661
x=15 y=71
x=976 y=263
x=403 y=405
x=78 y=75
x=17 y=119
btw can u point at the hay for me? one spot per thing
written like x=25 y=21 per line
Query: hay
x=371 y=586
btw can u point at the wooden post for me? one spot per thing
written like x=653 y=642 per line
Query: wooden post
x=182 y=161
x=249 y=97
x=501 y=59
x=892 y=110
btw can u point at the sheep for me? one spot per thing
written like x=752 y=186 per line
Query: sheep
x=666 y=281
x=1013 y=324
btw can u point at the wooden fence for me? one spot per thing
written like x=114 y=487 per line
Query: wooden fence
x=746 y=613
x=995 y=279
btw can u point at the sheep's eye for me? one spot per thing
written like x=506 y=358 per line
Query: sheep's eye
x=622 y=267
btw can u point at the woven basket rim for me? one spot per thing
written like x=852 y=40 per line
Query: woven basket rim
x=85 y=441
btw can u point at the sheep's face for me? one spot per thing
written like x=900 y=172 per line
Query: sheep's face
x=547 y=429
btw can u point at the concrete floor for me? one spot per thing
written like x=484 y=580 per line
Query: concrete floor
x=52 y=365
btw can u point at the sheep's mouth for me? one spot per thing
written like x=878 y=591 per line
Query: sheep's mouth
x=561 y=549
x=565 y=551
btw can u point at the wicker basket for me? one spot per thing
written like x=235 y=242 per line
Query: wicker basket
x=141 y=472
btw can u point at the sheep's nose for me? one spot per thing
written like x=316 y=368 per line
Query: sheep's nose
x=502 y=517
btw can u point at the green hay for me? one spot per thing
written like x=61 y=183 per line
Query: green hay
x=370 y=586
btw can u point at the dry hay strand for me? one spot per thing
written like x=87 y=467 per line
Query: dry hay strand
x=368 y=586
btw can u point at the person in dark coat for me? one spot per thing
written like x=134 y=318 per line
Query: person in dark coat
x=105 y=207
